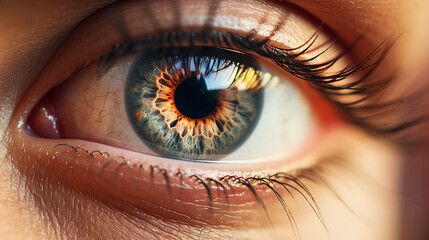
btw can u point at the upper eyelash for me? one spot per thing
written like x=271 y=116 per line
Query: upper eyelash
x=289 y=59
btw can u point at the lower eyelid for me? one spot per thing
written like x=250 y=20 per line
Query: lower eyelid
x=169 y=191
x=155 y=190
x=60 y=163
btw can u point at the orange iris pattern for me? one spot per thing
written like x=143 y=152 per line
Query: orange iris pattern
x=212 y=125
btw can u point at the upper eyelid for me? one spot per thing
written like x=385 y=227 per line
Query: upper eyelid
x=320 y=82
x=328 y=83
x=109 y=16
x=76 y=52
x=91 y=56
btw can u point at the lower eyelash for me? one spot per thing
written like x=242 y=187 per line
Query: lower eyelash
x=291 y=183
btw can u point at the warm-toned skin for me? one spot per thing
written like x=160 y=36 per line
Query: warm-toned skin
x=39 y=201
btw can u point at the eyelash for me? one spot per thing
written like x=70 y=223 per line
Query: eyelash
x=290 y=61
x=286 y=181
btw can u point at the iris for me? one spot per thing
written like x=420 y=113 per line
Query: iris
x=194 y=102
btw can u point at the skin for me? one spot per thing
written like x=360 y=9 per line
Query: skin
x=34 y=205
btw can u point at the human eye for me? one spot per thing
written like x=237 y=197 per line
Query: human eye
x=193 y=103
x=190 y=114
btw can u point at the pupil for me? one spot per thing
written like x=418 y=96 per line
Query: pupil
x=193 y=99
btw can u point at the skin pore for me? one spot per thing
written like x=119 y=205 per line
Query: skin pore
x=37 y=201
